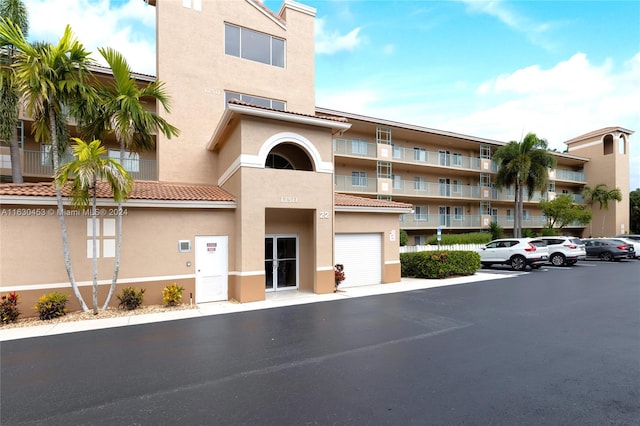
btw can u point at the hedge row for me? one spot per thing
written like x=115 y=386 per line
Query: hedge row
x=439 y=264
x=469 y=238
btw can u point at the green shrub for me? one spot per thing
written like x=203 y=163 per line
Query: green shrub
x=469 y=238
x=495 y=230
x=51 y=305
x=528 y=233
x=130 y=298
x=549 y=232
x=439 y=264
x=9 y=308
x=404 y=237
x=172 y=295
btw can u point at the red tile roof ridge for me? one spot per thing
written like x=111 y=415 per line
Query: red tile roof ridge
x=347 y=200
x=142 y=190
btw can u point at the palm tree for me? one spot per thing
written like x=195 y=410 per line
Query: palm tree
x=120 y=111
x=51 y=77
x=602 y=195
x=15 y=11
x=89 y=166
x=523 y=165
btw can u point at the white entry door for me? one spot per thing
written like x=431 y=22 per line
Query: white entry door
x=212 y=267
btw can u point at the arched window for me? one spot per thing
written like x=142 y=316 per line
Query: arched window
x=288 y=156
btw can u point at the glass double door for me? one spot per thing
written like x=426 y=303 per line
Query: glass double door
x=281 y=262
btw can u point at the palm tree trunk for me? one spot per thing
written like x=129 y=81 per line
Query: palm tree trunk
x=14 y=150
x=94 y=213
x=604 y=217
x=60 y=212
x=116 y=263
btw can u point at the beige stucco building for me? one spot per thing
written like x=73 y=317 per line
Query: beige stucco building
x=263 y=191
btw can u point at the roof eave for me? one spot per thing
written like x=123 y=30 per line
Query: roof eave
x=369 y=209
x=44 y=200
x=232 y=109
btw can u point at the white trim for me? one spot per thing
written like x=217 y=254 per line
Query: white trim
x=298 y=7
x=352 y=209
x=258 y=161
x=278 y=138
x=247 y=273
x=182 y=204
x=586 y=145
x=47 y=286
x=324 y=268
x=225 y=120
x=267 y=14
x=391 y=262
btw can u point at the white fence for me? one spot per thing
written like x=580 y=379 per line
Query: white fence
x=467 y=247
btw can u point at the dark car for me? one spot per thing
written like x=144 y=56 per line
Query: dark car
x=608 y=249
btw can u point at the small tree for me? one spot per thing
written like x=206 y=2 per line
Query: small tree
x=89 y=166
x=562 y=211
x=495 y=230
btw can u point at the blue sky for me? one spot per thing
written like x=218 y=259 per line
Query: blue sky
x=493 y=69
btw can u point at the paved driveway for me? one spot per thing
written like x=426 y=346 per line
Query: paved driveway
x=554 y=346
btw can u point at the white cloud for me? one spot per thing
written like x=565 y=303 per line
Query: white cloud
x=128 y=27
x=534 y=31
x=332 y=42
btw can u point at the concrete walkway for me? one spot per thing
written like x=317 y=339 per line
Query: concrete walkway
x=273 y=300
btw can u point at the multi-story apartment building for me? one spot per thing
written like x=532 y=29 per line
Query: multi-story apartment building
x=262 y=190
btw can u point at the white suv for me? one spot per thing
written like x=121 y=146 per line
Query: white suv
x=516 y=252
x=565 y=250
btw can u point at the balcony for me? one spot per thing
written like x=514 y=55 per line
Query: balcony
x=412 y=188
x=354 y=147
x=431 y=189
x=435 y=158
x=570 y=175
x=38 y=164
x=449 y=221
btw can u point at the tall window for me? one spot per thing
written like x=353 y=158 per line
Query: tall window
x=253 y=45
x=255 y=100
x=419 y=184
x=421 y=213
x=359 y=178
x=397 y=182
x=444 y=158
x=457 y=186
x=457 y=159
x=359 y=147
x=45 y=155
x=397 y=152
x=458 y=213
x=419 y=154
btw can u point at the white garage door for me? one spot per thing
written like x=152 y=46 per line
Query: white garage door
x=361 y=255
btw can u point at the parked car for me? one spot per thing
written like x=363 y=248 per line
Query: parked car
x=629 y=236
x=516 y=252
x=608 y=249
x=565 y=250
x=634 y=240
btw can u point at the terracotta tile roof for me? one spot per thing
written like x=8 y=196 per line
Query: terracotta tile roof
x=599 y=132
x=345 y=200
x=142 y=190
x=324 y=117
